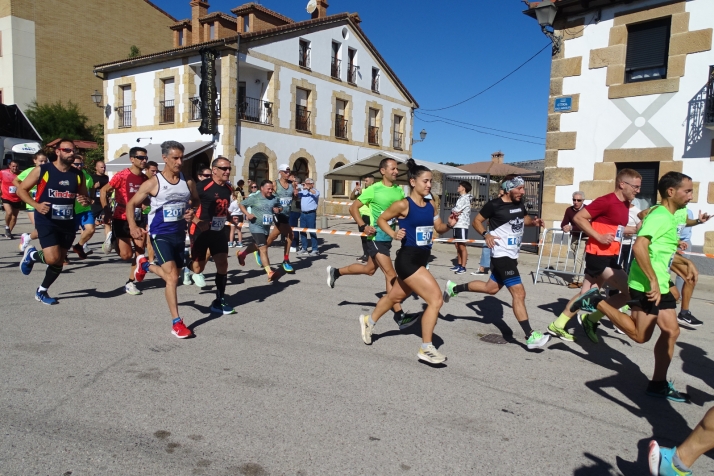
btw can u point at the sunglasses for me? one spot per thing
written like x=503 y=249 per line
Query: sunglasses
x=577 y=200
x=66 y=150
x=204 y=175
x=140 y=157
x=78 y=164
x=253 y=186
x=225 y=169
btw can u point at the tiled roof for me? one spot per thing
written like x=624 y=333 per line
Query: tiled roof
x=181 y=24
x=493 y=168
x=162 y=11
x=252 y=5
x=213 y=15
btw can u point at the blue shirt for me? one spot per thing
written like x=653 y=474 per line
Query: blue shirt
x=308 y=201
x=686 y=234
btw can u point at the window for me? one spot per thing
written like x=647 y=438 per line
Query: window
x=258 y=168
x=375 y=80
x=335 y=63
x=124 y=111
x=338 y=186
x=647 y=50
x=212 y=31
x=180 y=37
x=351 y=66
x=398 y=135
x=302 y=115
x=167 y=105
x=246 y=24
x=373 y=132
x=301 y=169
x=304 y=52
x=648 y=191
x=340 y=121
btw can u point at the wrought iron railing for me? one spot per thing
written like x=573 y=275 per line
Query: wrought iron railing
x=398 y=140
x=351 y=73
x=709 y=112
x=304 y=60
x=340 y=126
x=373 y=135
x=375 y=84
x=124 y=113
x=167 y=111
x=255 y=110
x=196 y=108
x=335 y=68
x=302 y=118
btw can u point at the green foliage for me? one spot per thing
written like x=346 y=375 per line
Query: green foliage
x=134 y=52
x=452 y=164
x=58 y=120
x=94 y=155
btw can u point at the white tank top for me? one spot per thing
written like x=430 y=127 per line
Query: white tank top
x=168 y=207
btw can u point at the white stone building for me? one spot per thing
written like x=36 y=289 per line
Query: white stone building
x=634 y=82
x=315 y=94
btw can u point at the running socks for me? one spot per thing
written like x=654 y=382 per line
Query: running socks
x=286 y=257
x=526 y=326
x=562 y=321
x=678 y=462
x=425 y=345
x=176 y=320
x=267 y=269
x=370 y=321
x=51 y=275
x=221 y=280
x=38 y=257
x=460 y=288
x=595 y=317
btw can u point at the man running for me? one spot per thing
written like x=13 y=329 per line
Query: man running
x=100 y=179
x=58 y=186
x=507 y=216
x=171 y=194
x=125 y=184
x=263 y=207
x=378 y=197
x=678 y=461
x=83 y=216
x=364 y=213
x=209 y=231
x=38 y=159
x=284 y=193
x=604 y=221
x=653 y=304
x=10 y=201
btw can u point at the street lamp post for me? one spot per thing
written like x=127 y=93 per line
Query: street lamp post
x=422 y=134
x=545 y=14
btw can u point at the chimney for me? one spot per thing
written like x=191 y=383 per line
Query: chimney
x=199 y=9
x=497 y=157
x=321 y=10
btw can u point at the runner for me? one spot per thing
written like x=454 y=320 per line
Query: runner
x=604 y=221
x=170 y=195
x=507 y=216
x=83 y=216
x=125 y=184
x=378 y=197
x=38 y=159
x=209 y=232
x=364 y=213
x=418 y=220
x=100 y=179
x=653 y=304
x=189 y=277
x=263 y=206
x=10 y=201
x=677 y=461
x=284 y=193
x=461 y=230
x=58 y=186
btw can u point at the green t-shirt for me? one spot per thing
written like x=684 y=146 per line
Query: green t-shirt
x=23 y=175
x=379 y=197
x=660 y=226
x=285 y=197
x=89 y=182
x=364 y=209
x=262 y=208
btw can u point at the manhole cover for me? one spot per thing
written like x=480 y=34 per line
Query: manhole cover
x=494 y=339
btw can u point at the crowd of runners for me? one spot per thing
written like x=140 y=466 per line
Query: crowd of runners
x=148 y=216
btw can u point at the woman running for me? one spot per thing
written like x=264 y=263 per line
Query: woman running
x=417 y=222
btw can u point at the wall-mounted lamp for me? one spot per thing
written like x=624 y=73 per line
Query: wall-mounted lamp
x=143 y=138
x=422 y=134
x=97 y=100
x=545 y=14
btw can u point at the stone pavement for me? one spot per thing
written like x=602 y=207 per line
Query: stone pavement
x=98 y=385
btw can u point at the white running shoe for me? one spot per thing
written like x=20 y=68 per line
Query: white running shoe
x=131 y=288
x=87 y=249
x=431 y=355
x=366 y=329
x=199 y=280
x=187 y=277
x=107 y=245
x=24 y=241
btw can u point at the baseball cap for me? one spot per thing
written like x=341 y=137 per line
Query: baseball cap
x=283 y=167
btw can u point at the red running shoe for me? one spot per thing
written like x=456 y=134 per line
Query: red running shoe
x=80 y=251
x=241 y=258
x=139 y=273
x=181 y=331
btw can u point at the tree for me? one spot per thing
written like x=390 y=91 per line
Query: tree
x=58 y=120
x=453 y=164
x=134 y=52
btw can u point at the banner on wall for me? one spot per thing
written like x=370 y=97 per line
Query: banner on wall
x=208 y=93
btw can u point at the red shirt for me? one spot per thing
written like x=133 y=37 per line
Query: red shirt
x=9 y=191
x=608 y=213
x=125 y=185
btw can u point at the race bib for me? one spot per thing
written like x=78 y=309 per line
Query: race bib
x=99 y=192
x=619 y=233
x=268 y=219
x=12 y=189
x=137 y=214
x=174 y=211
x=514 y=241
x=62 y=212
x=680 y=229
x=217 y=223
x=423 y=235
x=285 y=202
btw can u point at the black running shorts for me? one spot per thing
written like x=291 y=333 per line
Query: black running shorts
x=120 y=228
x=169 y=248
x=50 y=236
x=214 y=241
x=596 y=264
x=504 y=271
x=409 y=259
x=666 y=302
x=281 y=219
x=379 y=247
x=14 y=205
x=461 y=233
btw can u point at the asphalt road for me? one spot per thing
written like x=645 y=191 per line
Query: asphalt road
x=98 y=385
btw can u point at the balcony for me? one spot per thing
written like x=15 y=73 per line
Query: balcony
x=373 y=135
x=255 y=110
x=124 y=113
x=398 y=140
x=304 y=60
x=302 y=119
x=375 y=84
x=709 y=109
x=340 y=126
x=351 y=74
x=196 y=108
x=167 y=111
x=335 y=68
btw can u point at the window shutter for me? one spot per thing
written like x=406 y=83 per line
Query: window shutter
x=648 y=45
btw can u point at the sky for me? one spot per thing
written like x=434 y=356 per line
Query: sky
x=445 y=52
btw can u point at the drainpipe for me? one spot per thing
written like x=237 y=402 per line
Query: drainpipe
x=237 y=141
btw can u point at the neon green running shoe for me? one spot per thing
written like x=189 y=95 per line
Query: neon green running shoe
x=589 y=327
x=449 y=291
x=559 y=332
x=537 y=340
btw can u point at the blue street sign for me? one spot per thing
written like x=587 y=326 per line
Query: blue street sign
x=563 y=104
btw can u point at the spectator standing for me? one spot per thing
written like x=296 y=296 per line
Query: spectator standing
x=577 y=237
x=461 y=230
x=295 y=211
x=236 y=219
x=309 y=197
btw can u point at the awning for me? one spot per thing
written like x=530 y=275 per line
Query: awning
x=370 y=166
x=192 y=149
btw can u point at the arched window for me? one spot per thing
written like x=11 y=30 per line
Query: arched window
x=258 y=168
x=301 y=169
x=338 y=186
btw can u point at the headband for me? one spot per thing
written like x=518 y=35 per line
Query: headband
x=509 y=185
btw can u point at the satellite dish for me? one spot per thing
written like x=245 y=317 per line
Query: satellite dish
x=311 y=6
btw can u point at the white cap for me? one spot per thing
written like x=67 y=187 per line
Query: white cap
x=283 y=167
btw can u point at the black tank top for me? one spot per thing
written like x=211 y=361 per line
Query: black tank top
x=60 y=190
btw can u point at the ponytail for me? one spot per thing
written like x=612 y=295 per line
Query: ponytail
x=414 y=170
